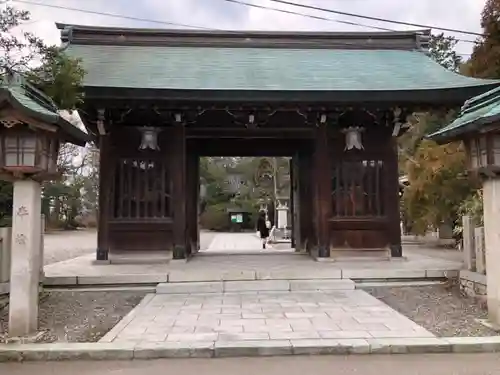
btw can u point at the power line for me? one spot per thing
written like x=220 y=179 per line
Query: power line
x=305 y=15
x=114 y=15
x=240 y=2
x=111 y=15
x=191 y=26
x=375 y=18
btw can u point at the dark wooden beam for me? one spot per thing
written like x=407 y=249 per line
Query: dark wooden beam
x=263 y=132
x=391 y=200
x=192 y=198
x=305 y=238
x=179 y=174
x=248 y=147
x=105 y=180
x=322 y=190
x=423 y=98
x=293 y=185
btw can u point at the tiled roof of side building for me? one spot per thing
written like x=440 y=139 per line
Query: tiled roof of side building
x=24 y=97
x=476 y=112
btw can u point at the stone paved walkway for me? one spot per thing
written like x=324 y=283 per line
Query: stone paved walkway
x=235 y=241
x=219 y=265
x=263 y=316
x=243 y=243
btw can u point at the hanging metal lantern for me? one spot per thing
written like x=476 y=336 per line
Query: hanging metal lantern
x=353 y=138
x=149 y=138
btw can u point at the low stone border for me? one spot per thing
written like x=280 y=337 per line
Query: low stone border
x=128 y=351
x=473 y=283
x=176 y=276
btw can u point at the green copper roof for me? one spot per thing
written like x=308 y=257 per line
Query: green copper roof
x=26 y=98
x=263 y=69
x=476 y=112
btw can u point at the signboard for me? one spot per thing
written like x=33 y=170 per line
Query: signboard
x=237 y=218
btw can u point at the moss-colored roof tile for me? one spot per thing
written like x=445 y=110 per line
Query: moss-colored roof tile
x=476 y=112
x=281 y=69
x=26 y=98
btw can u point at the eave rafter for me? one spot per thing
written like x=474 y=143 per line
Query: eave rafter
x=249 y=116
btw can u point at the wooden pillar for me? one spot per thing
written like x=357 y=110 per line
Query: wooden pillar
x=305 y=226
x=178 y=164
x=292 y=200
x=392 y=198
x=192 y=201
x=322 y=190
x=105 y=179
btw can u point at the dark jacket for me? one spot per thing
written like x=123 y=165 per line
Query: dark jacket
x=262 y=228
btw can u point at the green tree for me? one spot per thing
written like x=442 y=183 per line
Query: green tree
x=56 y=74
x=485 y=58
x=17 y=53
x=442 y=50
x=438 y=184
x=232 y=182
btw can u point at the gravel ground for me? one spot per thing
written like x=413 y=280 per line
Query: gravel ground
x=441 y=310
x=79 y=316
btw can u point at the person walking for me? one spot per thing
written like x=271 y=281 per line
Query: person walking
x=262 y=227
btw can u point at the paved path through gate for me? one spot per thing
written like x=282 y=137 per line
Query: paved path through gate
x=243 y=242
x=263 y=317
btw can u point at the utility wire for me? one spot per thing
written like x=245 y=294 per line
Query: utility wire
x=111 y=15
x=375 y=18
x=306 y=15
x=240 y=2
x=191 y=26
x=114 y=15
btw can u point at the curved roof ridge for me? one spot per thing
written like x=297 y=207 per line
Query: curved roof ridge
x=97 y=35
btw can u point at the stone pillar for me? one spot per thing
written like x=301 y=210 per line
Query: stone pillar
x=5 y=251
x=25 y=258
x=468 y=243
x=480 y=256
x=282 y=215
x=491 y=205
x=42 y=244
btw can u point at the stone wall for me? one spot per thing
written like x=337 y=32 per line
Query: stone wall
x=5 y=237
x=5 y=255
x=473 y=246
x=473 y=283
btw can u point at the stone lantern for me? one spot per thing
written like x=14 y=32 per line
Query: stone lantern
x=483 y=151
x=27 y=151
x=478 y=126
x=31 y=131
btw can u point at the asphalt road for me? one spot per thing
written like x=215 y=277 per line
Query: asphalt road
x=433 y=364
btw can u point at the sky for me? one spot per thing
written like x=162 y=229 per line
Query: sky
x=219 y=14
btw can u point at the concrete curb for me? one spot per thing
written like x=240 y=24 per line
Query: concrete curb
x=255 y=286
x=179 y=276
x=128 y=351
